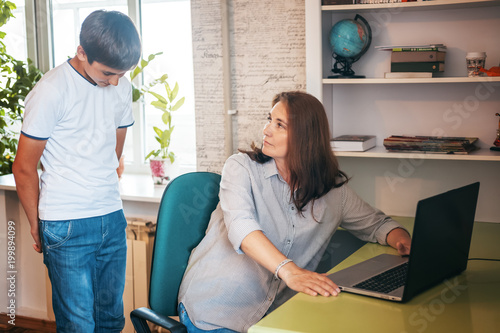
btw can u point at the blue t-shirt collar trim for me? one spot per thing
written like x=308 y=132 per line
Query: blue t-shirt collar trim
x=94 y=84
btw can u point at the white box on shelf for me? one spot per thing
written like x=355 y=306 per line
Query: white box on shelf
x=353 y=142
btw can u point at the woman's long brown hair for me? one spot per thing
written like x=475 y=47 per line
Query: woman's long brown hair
x=314 y=169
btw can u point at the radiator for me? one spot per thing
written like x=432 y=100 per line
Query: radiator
x=140 y=241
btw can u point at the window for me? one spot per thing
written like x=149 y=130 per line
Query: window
x=166 y=27
x=15 y=40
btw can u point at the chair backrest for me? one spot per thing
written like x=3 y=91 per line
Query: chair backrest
x=183 y=216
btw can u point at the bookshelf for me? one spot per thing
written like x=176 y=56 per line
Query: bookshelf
x=389 y=21
x=450 y=104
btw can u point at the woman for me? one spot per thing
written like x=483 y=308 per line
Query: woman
x=279 y=206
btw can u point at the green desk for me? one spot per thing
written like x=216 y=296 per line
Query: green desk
x=469 y=302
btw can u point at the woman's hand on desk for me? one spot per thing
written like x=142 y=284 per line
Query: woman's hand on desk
x=400 y=240
x=307 y=282
x=258 y=247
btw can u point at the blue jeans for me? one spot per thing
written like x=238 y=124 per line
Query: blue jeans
x=184 y=318
x=86 y=261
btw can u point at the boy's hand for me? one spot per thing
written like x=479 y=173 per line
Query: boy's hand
x=36 y=237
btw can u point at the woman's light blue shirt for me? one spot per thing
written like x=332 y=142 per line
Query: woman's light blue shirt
x=222 y=287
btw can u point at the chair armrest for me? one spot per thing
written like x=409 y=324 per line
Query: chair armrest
x=141 y=316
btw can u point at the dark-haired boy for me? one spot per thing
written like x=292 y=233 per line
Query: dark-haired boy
x=75 y=123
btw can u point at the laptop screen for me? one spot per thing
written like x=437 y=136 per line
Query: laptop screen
x=442 y=235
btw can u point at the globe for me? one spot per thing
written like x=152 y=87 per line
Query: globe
x=349 y=40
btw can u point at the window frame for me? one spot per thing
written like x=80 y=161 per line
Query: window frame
x=40 y=51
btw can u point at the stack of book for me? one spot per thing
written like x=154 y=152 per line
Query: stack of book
x=430 y=144
x=353 y=142
x=416 y=61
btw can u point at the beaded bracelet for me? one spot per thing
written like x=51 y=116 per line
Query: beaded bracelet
x=281 y=264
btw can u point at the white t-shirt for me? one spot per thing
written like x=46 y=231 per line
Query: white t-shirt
x=79 y=121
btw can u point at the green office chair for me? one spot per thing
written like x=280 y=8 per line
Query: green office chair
x=183 y=216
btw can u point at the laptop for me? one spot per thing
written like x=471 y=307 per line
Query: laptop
x=439 y=250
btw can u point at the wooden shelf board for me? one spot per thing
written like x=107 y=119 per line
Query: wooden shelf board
x=417 y=5
x=381 y=152
x=414 y=80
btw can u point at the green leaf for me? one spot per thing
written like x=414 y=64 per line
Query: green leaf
x=159 y=105
x=159 y=97
x=172 y=157
x=165 y=139
x=166 y=117
x=171 y=129
x=154 y=153
x=173 y=93
x=178 y=104
x=158 y=131
x=136 y=94
x=11 y=5
x=152 y=56
x=135 y=72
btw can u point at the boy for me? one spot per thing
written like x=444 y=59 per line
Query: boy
x=75 y=123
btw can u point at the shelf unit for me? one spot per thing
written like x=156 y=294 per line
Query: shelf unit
x=335 y=92
x=449 y=105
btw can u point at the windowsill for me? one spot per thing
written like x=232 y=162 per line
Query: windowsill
x=133 y=187
x=139 y=187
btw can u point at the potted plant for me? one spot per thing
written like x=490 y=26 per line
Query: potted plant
x=16 y=80
x=161 y=159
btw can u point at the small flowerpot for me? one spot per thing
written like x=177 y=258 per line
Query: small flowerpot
x=160 y=170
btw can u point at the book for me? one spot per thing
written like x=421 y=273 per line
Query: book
x=353 y=142
x=337 y=2
x=430 y=144
x=432 y=67
x=403 y=75
x=419 y=49
x=418 y=56
x=369 y=2
x=406 y=48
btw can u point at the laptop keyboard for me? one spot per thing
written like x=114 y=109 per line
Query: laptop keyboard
x=387 y=281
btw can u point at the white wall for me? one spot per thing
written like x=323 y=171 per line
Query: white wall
x=267 y=56
x=29 y=288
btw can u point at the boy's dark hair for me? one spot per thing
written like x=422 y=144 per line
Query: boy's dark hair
x=110 y=38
